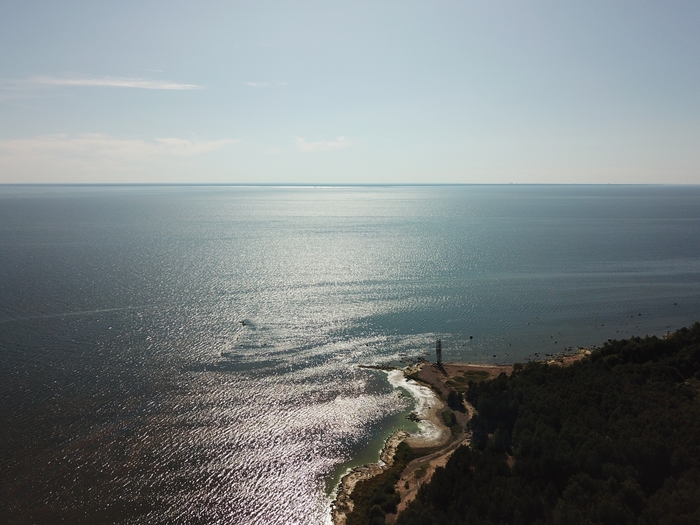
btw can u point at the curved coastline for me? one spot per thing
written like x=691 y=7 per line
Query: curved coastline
x=342 y=505
x=432 y=433
x=434 y=439
x=432 y=430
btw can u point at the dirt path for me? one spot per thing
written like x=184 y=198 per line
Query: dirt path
x=441 y=380
x=438 y=448
x=421 y=470
x=451 y=376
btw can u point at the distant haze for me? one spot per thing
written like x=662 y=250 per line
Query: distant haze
x=350 y=92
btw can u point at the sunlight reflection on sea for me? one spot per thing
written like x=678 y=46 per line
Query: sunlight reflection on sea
x=189 y=355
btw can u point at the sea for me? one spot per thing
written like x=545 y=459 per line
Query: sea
x=191 y=354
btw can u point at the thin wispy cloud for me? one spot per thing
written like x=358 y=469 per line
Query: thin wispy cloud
x=323 y=145
x=116 y=82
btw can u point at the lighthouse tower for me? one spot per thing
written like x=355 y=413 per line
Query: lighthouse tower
x=438 y=352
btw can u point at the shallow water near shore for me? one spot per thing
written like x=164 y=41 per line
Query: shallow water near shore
x=190 y=354
x=370 y=451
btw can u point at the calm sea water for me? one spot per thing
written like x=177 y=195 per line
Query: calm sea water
x=189 y=354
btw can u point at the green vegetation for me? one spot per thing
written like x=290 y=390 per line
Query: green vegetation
x=455 y=401
x=612 y=439
x=376 y=497
x=460 y=383
x=450 y=420
x=448 y=417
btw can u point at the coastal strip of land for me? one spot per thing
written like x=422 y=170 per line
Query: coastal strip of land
x=434 y=443
x=613 y=438
x=343 y=504
x=432 y=433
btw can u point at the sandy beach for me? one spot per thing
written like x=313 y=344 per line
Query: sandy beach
x=432 y=431
x=432 y=434
x=437 y=377
x=434 y=442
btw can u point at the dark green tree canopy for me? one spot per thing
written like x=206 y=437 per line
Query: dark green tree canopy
x=611 y=439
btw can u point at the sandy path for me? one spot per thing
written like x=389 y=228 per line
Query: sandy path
x=420 y=471
x=433 y=437
x=432 y=433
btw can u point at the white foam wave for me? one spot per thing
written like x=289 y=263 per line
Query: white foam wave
x=425 y=400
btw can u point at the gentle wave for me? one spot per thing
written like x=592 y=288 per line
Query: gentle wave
x=233 y=393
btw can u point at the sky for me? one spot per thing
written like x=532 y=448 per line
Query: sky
x=337 y=92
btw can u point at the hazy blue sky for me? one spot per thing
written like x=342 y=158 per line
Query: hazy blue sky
x=353 y=91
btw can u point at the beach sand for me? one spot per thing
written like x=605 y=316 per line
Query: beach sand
x=432 y=433
x=437 y=377
x=427 y=383
x=432 y=430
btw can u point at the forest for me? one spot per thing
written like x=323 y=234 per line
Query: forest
x=612 y=439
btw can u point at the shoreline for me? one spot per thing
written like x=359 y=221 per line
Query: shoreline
x=428 y=385
x=342 y=505
x=432 y=433
x=432 y=430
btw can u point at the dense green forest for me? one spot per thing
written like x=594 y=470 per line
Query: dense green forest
x=611 y=439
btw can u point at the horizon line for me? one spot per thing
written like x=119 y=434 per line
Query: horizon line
x=329 y=185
